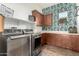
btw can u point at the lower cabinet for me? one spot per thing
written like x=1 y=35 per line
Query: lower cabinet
x=51 y=41
x=77 y=45
x=43 y=38
x=63 y=40
x=75 y=42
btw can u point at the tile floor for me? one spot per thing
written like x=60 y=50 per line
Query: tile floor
x=56 y=51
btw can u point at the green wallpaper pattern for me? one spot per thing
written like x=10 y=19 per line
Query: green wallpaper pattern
x=55 y=10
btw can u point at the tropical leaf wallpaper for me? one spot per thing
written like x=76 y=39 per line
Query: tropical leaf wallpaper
x=55 y=10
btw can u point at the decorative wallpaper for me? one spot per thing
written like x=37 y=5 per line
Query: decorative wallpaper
x=55 y=10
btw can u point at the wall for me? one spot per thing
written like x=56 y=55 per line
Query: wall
x=78 y=24
x=78 y=19
x=20 y=24
x=20 y=11
x=8 y=23
x=55 y=10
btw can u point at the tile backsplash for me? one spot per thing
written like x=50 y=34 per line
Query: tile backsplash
x=20 y=24
x=70 y=8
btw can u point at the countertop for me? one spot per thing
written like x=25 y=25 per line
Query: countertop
x=60 y=32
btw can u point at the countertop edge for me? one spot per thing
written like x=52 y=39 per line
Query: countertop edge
x=59 y=32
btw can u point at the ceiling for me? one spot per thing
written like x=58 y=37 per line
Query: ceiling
x=30 y=6
x=33 y=5
x=38 y=5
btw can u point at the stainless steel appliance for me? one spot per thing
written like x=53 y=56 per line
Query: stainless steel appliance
x=17 y=42
x=18 y=45
x=3 y=45
x=27 y=31
x=22 y=42
x=35 y=44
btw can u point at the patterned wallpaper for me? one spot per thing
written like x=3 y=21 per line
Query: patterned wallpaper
x=55 y=10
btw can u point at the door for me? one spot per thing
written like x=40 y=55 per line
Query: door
x=51 y=39
x=14 y=47
x=47 y=19
x=75 y=43
x=3 y=45
x=18 y=46
x=43 y=38
x=38 y=17
x=1 y=23
x=25 y=45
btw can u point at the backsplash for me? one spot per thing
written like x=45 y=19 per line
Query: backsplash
x=55 y=10
x=20 y=24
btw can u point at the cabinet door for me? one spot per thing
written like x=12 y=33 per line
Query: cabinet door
x=51 y=39
x=34 y=13
x=58 y=40
x=47 y=19
x=38 y=17
x=1 y=24
x=43 y=38
x=63 y=41
x=66 y=41
x=75 y=43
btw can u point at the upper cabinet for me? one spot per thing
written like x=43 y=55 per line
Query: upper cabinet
x=47 y=20
x=6 y=11
x=42 y=19
x=38 y=17
x=1 y=23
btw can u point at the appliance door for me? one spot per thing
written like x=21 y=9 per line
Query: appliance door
x=3 y=45
x=32 y=45
x=36 y=46
x=18 y=45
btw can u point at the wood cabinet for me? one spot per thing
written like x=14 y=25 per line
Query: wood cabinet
x=43 y=38
x=38 y=17
x=47 y=20
x=50 y=41
x=62 y=40
x=42 y=19
x=75 y=42
x=1 y=23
